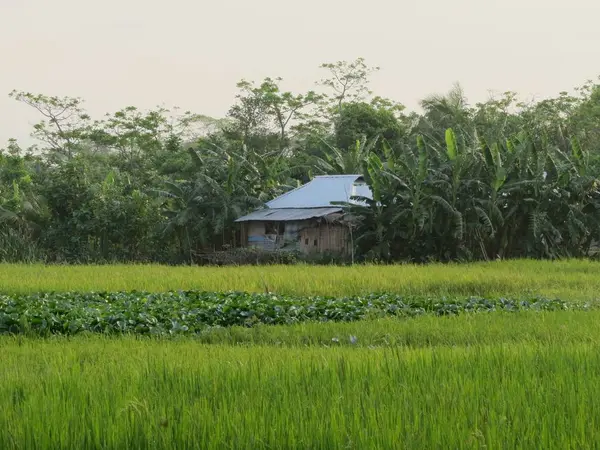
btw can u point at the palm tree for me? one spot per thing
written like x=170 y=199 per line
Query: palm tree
x=446 y=111
x=352 y=161
x=182 y=211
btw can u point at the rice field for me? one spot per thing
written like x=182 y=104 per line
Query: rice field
x=567 y=280
x=494 y=380
x=533 y=390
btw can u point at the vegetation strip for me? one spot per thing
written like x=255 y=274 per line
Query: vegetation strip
x=189 y=312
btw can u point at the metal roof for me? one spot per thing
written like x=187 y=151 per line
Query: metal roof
x=287 y=214
x=322 y=191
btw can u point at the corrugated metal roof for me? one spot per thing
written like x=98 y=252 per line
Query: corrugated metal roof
x=322 y=191
x=287 y=214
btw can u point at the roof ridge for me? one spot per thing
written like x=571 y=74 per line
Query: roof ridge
x=303 y=207
x=294 y=214
x=339 y=176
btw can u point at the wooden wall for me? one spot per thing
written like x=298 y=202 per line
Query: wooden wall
x=307 y=236
x=324 y=237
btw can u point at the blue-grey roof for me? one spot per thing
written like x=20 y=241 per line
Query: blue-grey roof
x=316 y=198
x=322 y=191
x=287 y=214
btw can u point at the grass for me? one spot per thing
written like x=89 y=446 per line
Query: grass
x=488 y=380
x=548 y=328
x=577 y=280
x=500 y=381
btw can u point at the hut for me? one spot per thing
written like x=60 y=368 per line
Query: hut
x=308 y=219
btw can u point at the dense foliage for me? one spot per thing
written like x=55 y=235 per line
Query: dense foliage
x=191 y=312
x=499 y=179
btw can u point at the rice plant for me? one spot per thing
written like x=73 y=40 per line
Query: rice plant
x=567 y=280
x=144 y=394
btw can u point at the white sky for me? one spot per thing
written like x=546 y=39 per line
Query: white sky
x=190 y=53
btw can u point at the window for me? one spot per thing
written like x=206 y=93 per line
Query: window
x=275 y=228
x=316 y=242
x=306 y=241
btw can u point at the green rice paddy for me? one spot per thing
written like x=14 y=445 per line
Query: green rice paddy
x=495 y=380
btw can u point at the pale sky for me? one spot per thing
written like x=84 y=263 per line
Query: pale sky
x=190 y=53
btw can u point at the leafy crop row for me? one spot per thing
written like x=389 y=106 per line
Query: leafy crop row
x=188 y=312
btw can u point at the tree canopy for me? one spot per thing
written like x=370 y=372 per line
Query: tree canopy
x=456 y=181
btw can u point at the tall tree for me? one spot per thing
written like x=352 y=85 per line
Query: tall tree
x=65 y=126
